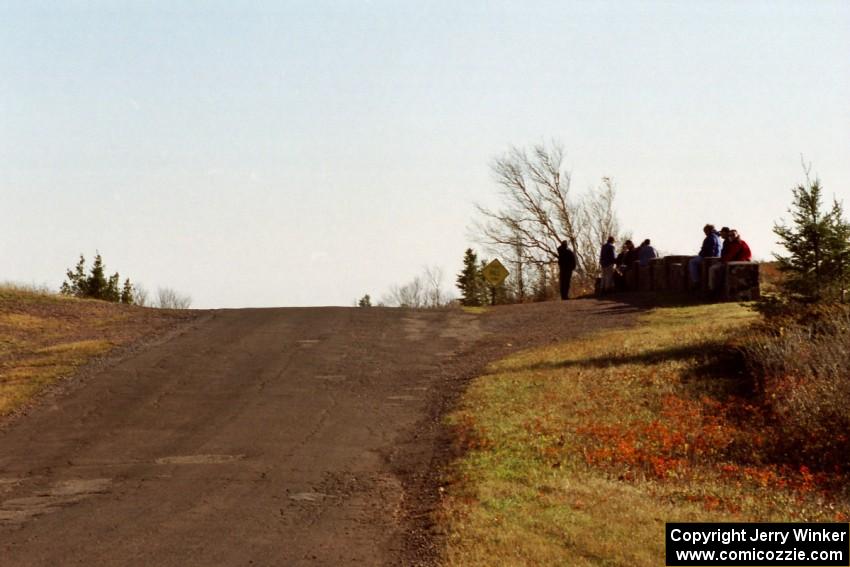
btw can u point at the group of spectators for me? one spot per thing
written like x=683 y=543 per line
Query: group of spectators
x=726 y=244
x=614 y=267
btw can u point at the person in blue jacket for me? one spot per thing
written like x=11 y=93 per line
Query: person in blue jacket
x=710 y=249
x=646 y=252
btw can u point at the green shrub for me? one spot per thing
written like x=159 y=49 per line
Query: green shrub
x=95 y=284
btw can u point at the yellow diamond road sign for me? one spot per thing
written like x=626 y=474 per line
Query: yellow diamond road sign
x=495 y=273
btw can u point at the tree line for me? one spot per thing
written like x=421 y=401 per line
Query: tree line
x=93 y=283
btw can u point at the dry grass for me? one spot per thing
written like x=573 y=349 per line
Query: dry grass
x=16 y=288
x=44 y=337
x=474 y=310
x=578 y=453
x=770 y=278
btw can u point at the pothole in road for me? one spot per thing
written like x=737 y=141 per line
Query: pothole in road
x=198 y=459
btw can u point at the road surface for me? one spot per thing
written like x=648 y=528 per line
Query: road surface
x=257 y=436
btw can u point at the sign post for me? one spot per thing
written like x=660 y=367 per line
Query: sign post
x=494 y=273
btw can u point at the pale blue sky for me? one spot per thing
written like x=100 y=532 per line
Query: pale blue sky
x=305 y=153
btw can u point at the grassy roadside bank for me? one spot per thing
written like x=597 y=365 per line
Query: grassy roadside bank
x=578 y=453
x=44 y=337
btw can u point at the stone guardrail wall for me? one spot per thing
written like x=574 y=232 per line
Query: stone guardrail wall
x=670 y=274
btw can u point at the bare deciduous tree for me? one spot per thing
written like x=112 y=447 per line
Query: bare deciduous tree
x=140 y=295
x=598 y=220
x=167 y=298
x=423 y=291
x=407 y=295
x=538 y=211
x=434 y=295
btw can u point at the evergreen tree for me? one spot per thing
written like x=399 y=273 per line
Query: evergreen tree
x=96 y=282
x=112 y=291
x=818 y=242
x=127 y=294
x=77 y=284
x=95 y=285
x=470 y=282
x=365 y=301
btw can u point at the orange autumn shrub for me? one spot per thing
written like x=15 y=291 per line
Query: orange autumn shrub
x=687 y=431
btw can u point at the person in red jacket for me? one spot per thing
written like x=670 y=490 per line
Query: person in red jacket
x=735 y=250
x=738 y=250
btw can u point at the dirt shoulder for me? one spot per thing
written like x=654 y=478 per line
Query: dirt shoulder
x=45 y=338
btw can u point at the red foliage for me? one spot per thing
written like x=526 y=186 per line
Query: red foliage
x=688 y=431
x=691 y=432
x=773 y=476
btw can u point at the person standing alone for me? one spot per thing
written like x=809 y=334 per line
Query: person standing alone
x=566 y=265
x=608 y=261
